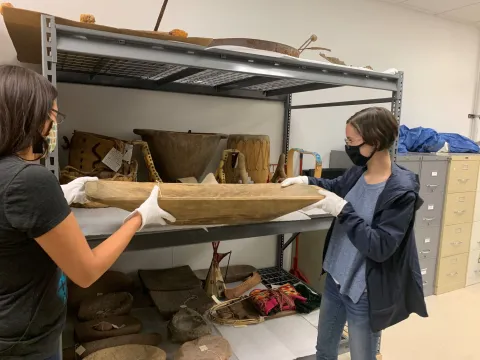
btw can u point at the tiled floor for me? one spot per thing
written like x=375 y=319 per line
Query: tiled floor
x=450 y=333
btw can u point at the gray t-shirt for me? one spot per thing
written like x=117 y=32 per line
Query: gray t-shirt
x=343 y=261
x=32 y=288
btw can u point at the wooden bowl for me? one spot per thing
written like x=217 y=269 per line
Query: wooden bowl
x=179 y=155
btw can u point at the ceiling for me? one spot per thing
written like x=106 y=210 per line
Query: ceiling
x=466 y=11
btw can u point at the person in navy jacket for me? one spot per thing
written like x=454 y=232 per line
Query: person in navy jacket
x=370 y=256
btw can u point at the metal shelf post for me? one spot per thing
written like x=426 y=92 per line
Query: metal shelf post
x=49 y=70
x=287 y=116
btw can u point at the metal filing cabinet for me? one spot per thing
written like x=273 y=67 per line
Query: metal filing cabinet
x=456 y=260
x=473 y=268
x=432 y=171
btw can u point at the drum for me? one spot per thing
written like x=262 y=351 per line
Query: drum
x=256 y=149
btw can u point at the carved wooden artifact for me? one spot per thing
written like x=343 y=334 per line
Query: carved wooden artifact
x=204 y=204
x=256 y=149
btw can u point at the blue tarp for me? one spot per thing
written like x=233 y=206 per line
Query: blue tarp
x=424 y=140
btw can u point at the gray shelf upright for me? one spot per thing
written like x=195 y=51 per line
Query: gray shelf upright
x=84 y=56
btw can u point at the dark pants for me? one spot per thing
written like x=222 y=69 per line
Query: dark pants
x=335 y=311
x=54 y=357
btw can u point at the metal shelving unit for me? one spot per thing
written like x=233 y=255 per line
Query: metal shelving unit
x=84 y=56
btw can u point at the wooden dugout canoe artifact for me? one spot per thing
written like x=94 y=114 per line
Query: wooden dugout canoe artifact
x=208 y=204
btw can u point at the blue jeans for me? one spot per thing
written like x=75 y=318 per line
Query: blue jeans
x=335 y=311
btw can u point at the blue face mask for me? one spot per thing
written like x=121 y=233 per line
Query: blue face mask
x=354 y=154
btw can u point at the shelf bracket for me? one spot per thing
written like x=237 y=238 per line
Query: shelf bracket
x=289 y=241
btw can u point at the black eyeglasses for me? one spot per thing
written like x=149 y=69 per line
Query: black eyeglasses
x=60 y=116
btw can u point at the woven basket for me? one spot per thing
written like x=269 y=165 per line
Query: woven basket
x=217 y=347
x=69 y=173
x=86 y=151
x=129 y=352
x=187 y=325
x=105 y=306
x=217 y=314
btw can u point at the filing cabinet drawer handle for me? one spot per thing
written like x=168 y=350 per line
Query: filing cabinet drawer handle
x=463 y=181
x=428 y=219
x=425 y=283
x=453 y=274
x=432 y=187
x=425 y=251
x=459 y=212
x=456 y=243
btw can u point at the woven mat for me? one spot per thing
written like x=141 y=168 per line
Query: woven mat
x=169 y=302
x=179 y=278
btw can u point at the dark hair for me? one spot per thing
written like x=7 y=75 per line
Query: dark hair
x=26 y=99
x=377 y=126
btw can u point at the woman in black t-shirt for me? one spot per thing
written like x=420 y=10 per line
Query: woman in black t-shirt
x=40 y=239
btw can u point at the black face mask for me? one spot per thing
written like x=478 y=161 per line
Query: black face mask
x=354 y=154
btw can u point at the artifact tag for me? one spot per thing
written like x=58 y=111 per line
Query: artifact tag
x=127 y=156
x=113 y=159
x=203 y=348
x=80 y=350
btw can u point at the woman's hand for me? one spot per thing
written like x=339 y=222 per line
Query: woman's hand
x=74 y=191
x=332 y=204
x=295 y=180
x=151 y=213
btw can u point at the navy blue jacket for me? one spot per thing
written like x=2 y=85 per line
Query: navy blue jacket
x=394 y=281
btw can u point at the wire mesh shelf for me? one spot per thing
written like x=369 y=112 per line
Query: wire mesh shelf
x=279 y=84
x=96 y=65
x=165 y=73
x=276 y=276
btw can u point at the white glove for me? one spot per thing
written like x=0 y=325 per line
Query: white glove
x=295 y=180
x=74 y=191
x=332 y=204
x=151 y=213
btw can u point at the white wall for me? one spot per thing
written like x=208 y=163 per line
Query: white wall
x=439 y=59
